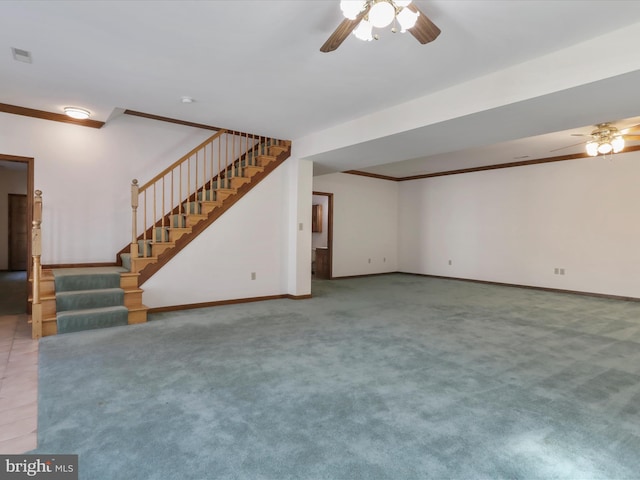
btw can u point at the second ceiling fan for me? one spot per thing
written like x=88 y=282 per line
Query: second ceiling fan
x=362 y=15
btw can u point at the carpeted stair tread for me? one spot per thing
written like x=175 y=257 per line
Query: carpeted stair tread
x=86 y=281
x=92 y=318
x=87 y=299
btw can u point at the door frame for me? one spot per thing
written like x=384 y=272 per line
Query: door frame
x=329 y=228
x=30 y=192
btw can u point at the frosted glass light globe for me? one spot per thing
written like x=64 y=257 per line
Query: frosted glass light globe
x=407 y=19
x=605 y=148
x=363 y=31
x=592 y=149
x=381 y=14
x=351 y=8
x=617 y=143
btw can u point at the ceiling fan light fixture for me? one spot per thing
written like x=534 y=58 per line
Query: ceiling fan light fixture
x=364 y=31
x=363 y=15
x=381 y=14
x=605 y=139
x=351 y=8
x=77 y=113
x=407 y=19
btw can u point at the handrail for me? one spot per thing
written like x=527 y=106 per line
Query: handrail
x=36 y=252
x=172 y=199
x=181 y=159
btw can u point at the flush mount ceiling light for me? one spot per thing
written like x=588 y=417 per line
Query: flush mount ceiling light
x=362 y=16
x=187 y=100
x=77 y=113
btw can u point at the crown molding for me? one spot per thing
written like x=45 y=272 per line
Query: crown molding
x=170 y=120
x=56 y=117
x=497 y=166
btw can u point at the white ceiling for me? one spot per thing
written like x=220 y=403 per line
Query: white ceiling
x=256 y=66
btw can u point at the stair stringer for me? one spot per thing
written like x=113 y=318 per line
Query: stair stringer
x=218 y=264
x=163 y=258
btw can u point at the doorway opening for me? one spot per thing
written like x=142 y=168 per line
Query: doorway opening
x=16 y=212
x=322 y=236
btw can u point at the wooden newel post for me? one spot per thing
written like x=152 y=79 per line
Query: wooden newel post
x=134 y=219
x=36 y=252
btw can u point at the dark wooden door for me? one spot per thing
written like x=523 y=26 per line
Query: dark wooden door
x=18 y=232
x=322 y=263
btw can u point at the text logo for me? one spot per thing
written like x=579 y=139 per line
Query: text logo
x=50 y=467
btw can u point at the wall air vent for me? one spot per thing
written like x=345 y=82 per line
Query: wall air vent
x=21 y=55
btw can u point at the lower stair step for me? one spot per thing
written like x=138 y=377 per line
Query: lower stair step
x=66 y=282
x=90 y=319
x=84 y=299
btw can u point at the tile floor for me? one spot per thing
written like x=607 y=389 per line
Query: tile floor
x=18 y=385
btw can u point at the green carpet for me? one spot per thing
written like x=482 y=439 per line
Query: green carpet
x=14 y=291
x=388 y=377
x=89 y=298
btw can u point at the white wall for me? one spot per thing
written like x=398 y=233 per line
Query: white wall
x=299 y=228
x=11 y=181
x=517 y=225
x=85 y=176
x=250 y=237
x=365 y=223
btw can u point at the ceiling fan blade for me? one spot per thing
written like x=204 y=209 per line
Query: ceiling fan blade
x=632 y=138
x=568 y=146
x=342 y=32
x=424 y=30
x=631 y=129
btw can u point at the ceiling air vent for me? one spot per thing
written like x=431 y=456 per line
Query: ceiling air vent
x=21 y=55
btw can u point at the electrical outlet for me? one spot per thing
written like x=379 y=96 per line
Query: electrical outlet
x=562 y=271
x=369 y=260
x=384 y=260
x=449 y=262
x=556 y=271
x=300 y=226
x=253 y=275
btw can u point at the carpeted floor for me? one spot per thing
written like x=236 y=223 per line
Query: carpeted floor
x=388 y=377
x=14 y=288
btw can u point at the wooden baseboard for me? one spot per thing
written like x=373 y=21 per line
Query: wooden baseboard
x=299 y=297
x=530 y=287
x=218 y=303
x=346 y=277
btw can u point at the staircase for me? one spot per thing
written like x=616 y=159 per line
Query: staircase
x=163 y=236
x=170 y=211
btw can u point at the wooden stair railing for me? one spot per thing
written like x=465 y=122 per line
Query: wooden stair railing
x=193 y=191
x=36 y=275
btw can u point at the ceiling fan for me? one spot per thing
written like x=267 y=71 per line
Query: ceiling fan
x=606 y=138
x=366 y=14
